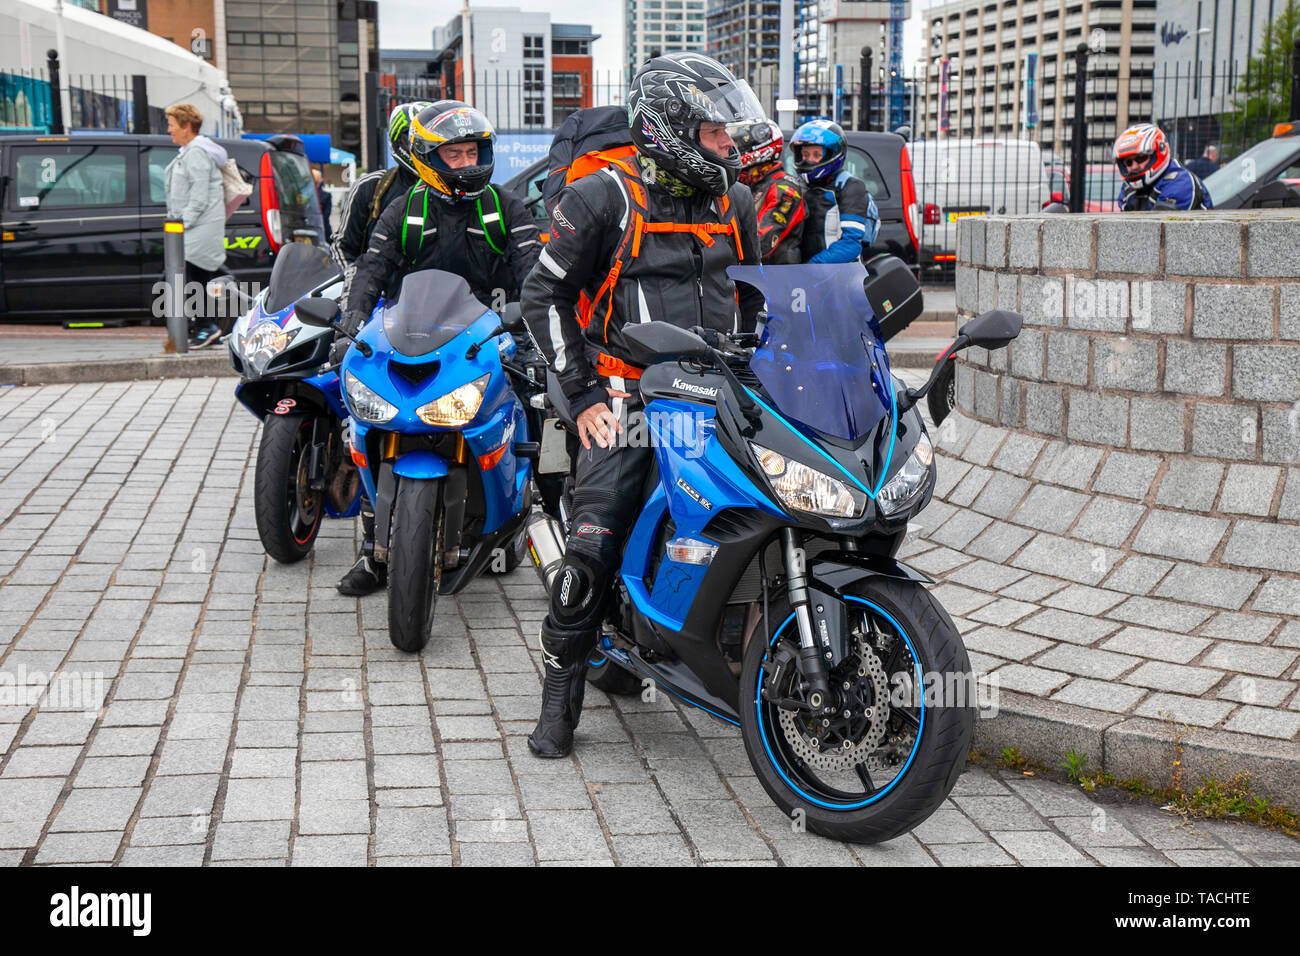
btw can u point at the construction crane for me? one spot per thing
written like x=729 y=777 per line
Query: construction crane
x=897 y=14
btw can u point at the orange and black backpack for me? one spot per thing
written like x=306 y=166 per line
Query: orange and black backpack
x=597 y=140
x=586 y=142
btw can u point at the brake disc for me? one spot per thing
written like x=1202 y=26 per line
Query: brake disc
x=846 y=758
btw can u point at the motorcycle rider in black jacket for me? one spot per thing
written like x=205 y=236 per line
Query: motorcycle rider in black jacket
x=370 y=194
x=450 y=220
x=647 y=241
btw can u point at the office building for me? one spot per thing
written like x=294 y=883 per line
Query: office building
x=1007 y=69
x=297 y=66
x=744 y=35
x=833 y=32
x=663 y=26
x=520 y=68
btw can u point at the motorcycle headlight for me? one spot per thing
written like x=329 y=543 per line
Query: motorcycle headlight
x=807 y=489
x=365 y=404
x=265 y=341
x=909 y=481
x=458 y=407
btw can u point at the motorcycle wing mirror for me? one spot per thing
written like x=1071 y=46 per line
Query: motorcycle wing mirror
x=512 y=317
x=651 y=342
x=226 y=285
x=316 y=311
x=992 y=330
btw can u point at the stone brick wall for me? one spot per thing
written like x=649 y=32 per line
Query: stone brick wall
x=1173 y=339
x=1138 y=444
x=1148 y=333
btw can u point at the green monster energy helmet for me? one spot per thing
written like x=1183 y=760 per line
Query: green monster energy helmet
x=399 y=133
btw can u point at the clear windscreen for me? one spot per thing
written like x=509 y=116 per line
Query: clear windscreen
x=299 y=268
x=431 y=308
x=820 y=359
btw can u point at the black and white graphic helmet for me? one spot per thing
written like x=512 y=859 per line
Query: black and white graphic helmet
x=669 y=99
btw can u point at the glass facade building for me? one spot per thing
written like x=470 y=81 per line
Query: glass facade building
x=296 y=66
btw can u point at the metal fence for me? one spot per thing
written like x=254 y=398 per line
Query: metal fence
x=1003 y=139
x=528 y=100
x=29 y=102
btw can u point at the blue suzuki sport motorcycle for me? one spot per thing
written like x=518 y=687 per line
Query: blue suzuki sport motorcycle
x=440 y=438
x=303 y=469
x=760 y=581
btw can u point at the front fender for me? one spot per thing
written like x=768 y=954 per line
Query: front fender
x=262 y=398
x=838 y=571
x=420 y=464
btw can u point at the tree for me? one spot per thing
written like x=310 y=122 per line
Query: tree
x=1263 y=94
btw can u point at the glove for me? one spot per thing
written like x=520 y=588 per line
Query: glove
x=712 y=337
x=352 y=321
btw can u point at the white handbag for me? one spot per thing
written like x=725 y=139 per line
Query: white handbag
x=233 y=188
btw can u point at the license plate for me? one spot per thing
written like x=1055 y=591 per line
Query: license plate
x=554 y=457
x=954 y=216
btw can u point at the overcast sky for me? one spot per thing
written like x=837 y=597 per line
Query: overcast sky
x=409 y=24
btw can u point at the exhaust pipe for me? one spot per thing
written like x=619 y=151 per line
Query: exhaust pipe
x=546 y=545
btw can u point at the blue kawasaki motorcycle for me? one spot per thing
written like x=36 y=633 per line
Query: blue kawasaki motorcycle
x=440 y=438
x=760 y=581
x=303 y=470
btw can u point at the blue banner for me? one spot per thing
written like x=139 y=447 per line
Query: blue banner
x=944 y=68
x=24 y=103
x=1031 y=90
x=515 y=152
x=316 y=144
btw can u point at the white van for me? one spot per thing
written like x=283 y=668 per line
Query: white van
x=956 y=178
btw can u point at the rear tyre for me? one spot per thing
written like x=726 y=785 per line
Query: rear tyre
x=515 y=549
x=943 y=395
x=887 y=767
x=288 y=512
x=609 y=677
x=414 y=562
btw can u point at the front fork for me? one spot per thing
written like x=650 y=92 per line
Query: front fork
x=814 y=655
x=318 y=455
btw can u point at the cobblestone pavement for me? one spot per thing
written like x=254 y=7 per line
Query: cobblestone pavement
x=1106 y=581
x=44 y=344
x=217 y=708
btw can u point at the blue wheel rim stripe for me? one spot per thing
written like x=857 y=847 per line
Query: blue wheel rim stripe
x=758 y=707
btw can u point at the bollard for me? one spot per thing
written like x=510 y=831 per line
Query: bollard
x=1079 y=132
x=864 y=90
x=1295 y=80
x=57 y=119
x=178 y=326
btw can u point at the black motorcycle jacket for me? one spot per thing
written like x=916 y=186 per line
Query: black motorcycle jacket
x=449 y=237
x=358 y=217
x=779 y=207
x=672 y=268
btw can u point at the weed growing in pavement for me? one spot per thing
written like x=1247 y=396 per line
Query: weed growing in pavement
x=1012 y=758
x=1074 y=763
x=1212 y=800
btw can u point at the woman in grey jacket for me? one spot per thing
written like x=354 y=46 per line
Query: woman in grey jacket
x=194 y=196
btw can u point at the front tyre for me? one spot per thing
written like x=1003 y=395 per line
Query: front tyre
x=414 y=562
x=288 y=511
x=883 y=768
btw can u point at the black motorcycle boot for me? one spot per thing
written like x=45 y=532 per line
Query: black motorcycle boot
x=366 y=576
x=565 y=663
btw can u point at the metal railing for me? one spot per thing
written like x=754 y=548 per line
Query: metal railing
x=30 y=101
x=1006 y=138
